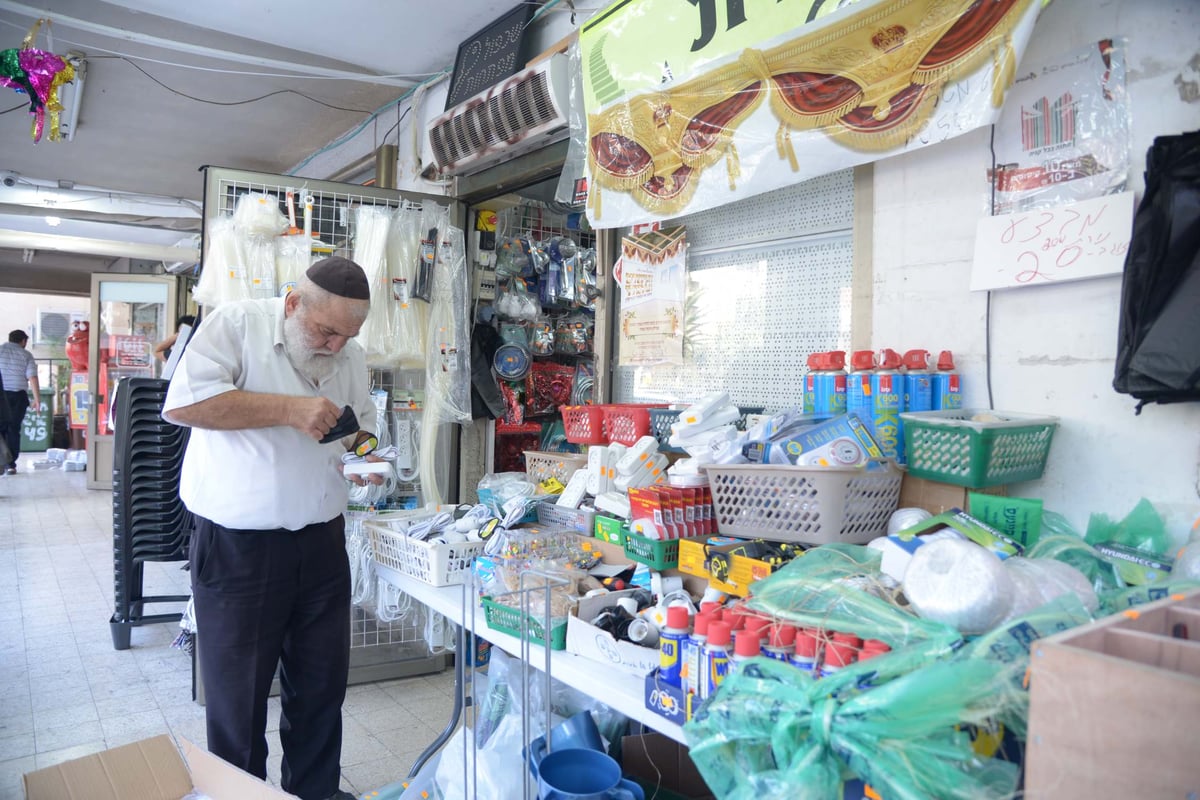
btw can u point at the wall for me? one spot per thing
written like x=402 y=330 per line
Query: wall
x=1053 y=347
x=19 y=310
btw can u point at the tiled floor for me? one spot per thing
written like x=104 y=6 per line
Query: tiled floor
x=65 y=692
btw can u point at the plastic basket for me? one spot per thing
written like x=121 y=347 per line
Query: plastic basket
x=658 y=554
x=661 y=420
x=507 y=619
x=577 y=519
x=625 y=424
x=583 y=424
x=811 y=505
x=540 y=465
x=948 y=446
x=435 y=564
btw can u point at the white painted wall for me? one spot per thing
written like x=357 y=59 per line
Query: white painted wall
x=1053 y=347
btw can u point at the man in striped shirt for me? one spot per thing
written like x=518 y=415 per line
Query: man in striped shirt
x=17 y=369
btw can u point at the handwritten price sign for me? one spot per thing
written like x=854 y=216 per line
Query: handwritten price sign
x=1055 y=245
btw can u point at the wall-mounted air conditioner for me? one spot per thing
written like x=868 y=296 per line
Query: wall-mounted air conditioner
x=517 y=115
x=53 y=327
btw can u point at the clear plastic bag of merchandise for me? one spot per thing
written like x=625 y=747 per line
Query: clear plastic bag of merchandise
x=548 y=387
x=496 y=490
x=586 y=289
x=1068 y=547
x=541 y=336
x=516 y=303
x=772 y=731
x=258 y=214
x=435 y=220
x=408 y=318
x=512 y=256
x=293 y=256
x=448 y=337
x=258 y=258
x=575 y=164
x=573 y=334
x=838 y=587
x=223 y=276
x=1143 y=529
x=371 y=226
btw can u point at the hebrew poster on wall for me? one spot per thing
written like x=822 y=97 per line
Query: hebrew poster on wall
x=652 y=274
x=692 y=105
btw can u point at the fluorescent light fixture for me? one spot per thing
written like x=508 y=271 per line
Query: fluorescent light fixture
x=53 y=221
x=72 y=97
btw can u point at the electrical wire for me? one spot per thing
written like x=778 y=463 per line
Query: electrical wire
x=311 y=99
x=14 y=108
x=396 y=126
x=987 y=319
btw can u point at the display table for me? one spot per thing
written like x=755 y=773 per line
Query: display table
x=619 y=690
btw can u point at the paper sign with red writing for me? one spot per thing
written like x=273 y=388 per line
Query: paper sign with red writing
x=1054 y=245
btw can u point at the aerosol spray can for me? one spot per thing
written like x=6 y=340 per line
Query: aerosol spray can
x=888 y=403
x=670 y=642
x=859 y=399
x=918 y=381
x=716 y=654
x=947 y=385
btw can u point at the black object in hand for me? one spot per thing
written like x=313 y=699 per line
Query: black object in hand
x=347 y=424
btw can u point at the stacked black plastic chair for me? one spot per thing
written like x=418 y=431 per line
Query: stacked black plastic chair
x=150 y=522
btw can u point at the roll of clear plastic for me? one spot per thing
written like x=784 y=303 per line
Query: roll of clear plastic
x=448 y=335
x=258 y=214
x=222 y=275
x=293 y=257
x=959 y=583
x=370 y=250
x=1037 y=581
x=904 y=518
x=408 y=318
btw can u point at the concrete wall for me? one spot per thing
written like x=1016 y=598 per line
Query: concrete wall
x=1053 y=347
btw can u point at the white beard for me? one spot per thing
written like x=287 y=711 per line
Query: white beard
x=316 y=365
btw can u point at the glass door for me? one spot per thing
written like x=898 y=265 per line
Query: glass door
x=130 y=314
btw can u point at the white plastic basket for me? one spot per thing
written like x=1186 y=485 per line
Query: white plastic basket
x=435 y=564
x=811 y=505
x=541 y=465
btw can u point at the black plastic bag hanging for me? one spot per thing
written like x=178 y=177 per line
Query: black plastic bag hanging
x=1158 y=339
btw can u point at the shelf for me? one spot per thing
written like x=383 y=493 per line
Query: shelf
x=621 y=691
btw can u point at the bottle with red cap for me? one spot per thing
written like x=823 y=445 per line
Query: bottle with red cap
x=872 y=648
x=918 y=381
x=670 y=642
x=716 y=657
x=836 y=656
x=804 y=650
x=858 y=386
x=780 y=642
x=888 y=400
x=947 y=385
x=746 y=645
x=696 y=669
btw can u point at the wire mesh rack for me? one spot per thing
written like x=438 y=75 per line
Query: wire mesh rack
x=541 y=222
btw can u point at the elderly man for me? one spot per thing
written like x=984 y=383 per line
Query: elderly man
x=261 y=383
x=17 y=368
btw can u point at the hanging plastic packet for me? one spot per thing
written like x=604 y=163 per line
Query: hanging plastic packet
x=549 y=387
x=259 y=259
x=434 y=220
x=573 y=335
x=586 y=290
x=514 y=401
x=512 y=257
x=408 y=318
x=293 y=256
x=565 y=252
x=516 y=303
x=583 y=390
x=371 y=226
x=447 y=370
x=222 y=276
x=541 y=337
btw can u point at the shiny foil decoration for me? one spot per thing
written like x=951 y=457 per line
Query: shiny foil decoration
x=39 y=74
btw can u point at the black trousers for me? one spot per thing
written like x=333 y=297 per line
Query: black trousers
x=17 y=403
x=267 y=598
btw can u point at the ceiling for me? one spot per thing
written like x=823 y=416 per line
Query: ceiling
x=138 y=134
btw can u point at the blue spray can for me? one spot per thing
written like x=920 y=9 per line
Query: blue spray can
x=888 y=396
x=716 y=654
x=859 y=398
x=810 y=382
x=918 y=381
x=947 y=384
x=670 y=645
x=829 y=384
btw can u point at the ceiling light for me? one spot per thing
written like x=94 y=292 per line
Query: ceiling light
x=54 y=222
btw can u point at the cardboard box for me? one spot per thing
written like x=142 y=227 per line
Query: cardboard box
x=151 y=769
x=1114 y=706
x=669 y=702
x=663 y=763
x=585 y=639
x=937 y=497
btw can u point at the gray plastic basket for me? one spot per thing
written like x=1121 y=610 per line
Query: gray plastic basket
x=811 y=505
x=579 y=519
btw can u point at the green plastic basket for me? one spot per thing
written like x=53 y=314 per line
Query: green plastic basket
x=950 y=447
x=507 y=619
x=610 y=530
x=658 y=554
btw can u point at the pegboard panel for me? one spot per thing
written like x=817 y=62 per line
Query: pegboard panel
x=816 y=206
x=752 y=322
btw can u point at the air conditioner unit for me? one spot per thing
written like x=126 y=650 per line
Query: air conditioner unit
x=53 y=327
x=522 y=113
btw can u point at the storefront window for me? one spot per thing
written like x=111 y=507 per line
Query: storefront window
x=133 y=318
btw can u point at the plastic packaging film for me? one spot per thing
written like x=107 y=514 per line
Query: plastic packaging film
x=293 y=256
x=960 y=584
x=448 y=339
x=408 y=318
x=222 y=278
x=370 y=249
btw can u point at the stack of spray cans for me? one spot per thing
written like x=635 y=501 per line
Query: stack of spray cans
x=878 y=388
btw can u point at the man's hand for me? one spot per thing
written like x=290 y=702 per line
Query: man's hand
x=312 y=416
x=363 y=480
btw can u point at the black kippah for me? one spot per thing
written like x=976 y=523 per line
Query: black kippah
x=340 y=276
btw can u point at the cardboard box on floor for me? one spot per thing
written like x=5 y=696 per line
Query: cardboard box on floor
x=151 y=769
x=651 y=755
x=936 y=497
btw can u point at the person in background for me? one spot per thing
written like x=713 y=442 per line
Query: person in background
x=162 y=350
x=18 y=370
x=260 y=384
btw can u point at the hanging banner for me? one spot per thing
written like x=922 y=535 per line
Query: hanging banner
x=672 y=89
x=652 y=273
x=1063 y=135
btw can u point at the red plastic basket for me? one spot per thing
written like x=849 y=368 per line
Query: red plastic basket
x=625 y=424
x=584 y=424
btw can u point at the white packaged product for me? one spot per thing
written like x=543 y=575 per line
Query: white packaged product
x=1037 y=581
x=959 y=583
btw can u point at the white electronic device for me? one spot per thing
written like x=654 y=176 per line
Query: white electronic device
x=367 y=468
x=637 y=455
x=575 y=490
x=718 y=417
x=699 y=410
x=614 y=504
x=649 y=473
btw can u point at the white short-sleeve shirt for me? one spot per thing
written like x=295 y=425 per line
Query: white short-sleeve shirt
x=262 y=478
